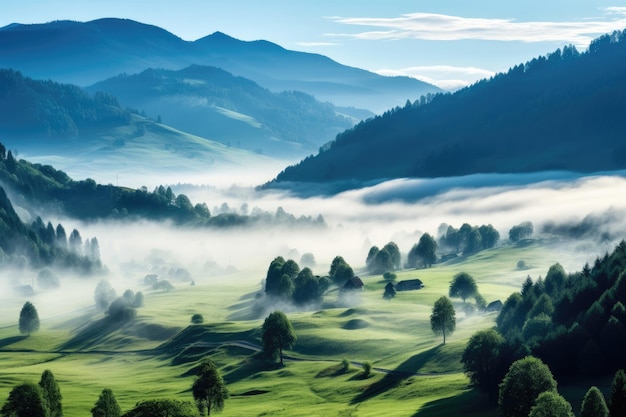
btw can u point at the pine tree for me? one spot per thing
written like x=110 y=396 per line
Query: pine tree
x=617 y=405
x=51 y=394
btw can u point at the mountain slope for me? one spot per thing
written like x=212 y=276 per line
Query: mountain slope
x=85 y=53
x=561 y=112
x=93 y=136
x=212 y=103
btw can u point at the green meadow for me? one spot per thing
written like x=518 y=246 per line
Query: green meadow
x=155 y=355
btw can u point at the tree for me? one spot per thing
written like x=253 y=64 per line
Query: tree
x=106 y=406
x=277 y=335
x=209 y=390
x=197 y=319
x=482 y=361
x=443 y=318
x=424 y=253
x=162 y=408
x=51 y=394
x=394 y=251
x=29 y=319
x=104 y=294
x=463 y=286
x=551 y=404
x=594 y=404
x=390 y=291
x=617 y=404
x=75 y=242
x=25 y=400
x=525 y=380
x=523 y=230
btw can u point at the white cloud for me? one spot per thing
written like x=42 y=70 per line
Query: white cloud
x=444 y=76
x=430 y=26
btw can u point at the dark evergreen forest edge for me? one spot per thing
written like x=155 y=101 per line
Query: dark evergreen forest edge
x=562 y=111
x=41 y=188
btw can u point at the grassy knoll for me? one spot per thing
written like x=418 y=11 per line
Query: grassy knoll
x=155 y=356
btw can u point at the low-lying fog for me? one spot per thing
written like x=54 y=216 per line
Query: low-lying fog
x=399 y=211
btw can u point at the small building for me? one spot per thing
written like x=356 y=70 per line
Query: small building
x=494 y=306
x=354 y=283
x=409 y=285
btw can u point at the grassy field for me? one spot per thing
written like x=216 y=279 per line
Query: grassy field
x=155 y=356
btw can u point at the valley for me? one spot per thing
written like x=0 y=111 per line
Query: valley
x=219 y=225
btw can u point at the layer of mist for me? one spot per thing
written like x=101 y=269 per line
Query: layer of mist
x=586 y=214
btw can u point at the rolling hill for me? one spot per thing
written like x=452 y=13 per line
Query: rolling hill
x=85 y=53
x=564 y=111
x=212 y=103
x=93 y=136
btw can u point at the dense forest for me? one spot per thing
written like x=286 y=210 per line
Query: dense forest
x=40 y=245
x=563 y=111
x=574 y=322
x=46 y=109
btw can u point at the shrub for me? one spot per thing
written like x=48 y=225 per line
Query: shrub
x=197 y=319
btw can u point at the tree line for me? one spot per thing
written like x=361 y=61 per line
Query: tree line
x=572 y=322
x=46 y=186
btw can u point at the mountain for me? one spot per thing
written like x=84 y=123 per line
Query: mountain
x=212 y=103
x=85 y=53
x=94 y=135
x=564 y=111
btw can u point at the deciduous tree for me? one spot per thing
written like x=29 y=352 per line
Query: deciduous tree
x=463 y=286
x=526 y=379
x=482 y=361
x=29 y=319
x=25 y=400
x=209 y=390
x=277 y=335
x=551 y=404
x=443 y=317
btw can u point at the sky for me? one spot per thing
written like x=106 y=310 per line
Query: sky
x=450 y=43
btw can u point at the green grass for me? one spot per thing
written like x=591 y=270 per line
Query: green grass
x=156 y=355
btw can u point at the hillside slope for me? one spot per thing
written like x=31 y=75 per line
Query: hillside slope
x=93 y=136
x=212 y=103
x=85 y=53
x=560 y=112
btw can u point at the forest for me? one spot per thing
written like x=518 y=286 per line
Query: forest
x=568 y=100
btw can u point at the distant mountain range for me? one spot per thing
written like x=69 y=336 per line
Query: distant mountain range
x=212 y=103
x=565 y=111
x=85 y=53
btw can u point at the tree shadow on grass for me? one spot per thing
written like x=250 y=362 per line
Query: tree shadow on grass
x=11 y=340
x=392 y=379
x=468 y=404
x=248 y=367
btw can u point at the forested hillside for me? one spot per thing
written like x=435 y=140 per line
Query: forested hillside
x=44 y=188
x=212 y=103
x=46 y=109
x=563 y=111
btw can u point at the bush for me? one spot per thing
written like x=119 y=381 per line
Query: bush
x=521 y=264
x=345 y=365
x=367 y=368
x=389 y=276
x=197 y=319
